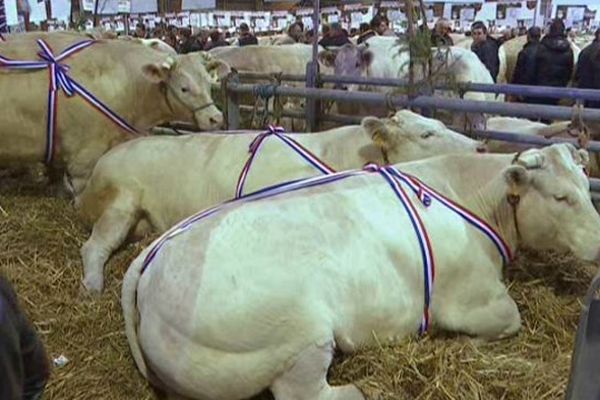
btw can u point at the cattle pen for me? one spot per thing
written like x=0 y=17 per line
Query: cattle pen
x=41 y=235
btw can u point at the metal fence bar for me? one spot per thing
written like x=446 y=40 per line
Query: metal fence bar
x=512 y=109
x=518 y=90
x=593 y=146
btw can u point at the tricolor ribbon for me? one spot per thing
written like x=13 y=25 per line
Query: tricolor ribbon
x=59 y=79
x=278 y=132
x=388 y=173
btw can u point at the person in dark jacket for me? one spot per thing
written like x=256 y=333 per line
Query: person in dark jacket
x=216 y=40
x=378 y=26
x=524 y=73
x=441 y=34
x=486 y=48
x=335 y=37
x=587 y=74
x=246 y=38
x=553 y=61
x=24 y=367
x=191 y=43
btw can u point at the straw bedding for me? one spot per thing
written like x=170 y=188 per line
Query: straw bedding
x=40 y=237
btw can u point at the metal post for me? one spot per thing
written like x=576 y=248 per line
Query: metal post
x=233 y=103
x=536 y=12
x=312 y=72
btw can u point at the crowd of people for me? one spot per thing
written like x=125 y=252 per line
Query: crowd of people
x=184 y=41
x=545 y=60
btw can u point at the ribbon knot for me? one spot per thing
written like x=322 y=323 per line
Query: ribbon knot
x=271 y=130
x=59 y=78
x=415 y=186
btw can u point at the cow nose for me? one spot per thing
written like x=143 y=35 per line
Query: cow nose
x=216 y=122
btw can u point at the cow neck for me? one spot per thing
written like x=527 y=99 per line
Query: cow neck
x=491 y=204
x=483 y=194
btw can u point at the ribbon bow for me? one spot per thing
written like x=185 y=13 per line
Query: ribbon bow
x=58 y=72
x=394 y=173
x=271 y=130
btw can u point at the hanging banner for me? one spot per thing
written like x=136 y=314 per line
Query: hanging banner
x=37 y=11
x=61 y=9
x=144 y=6
x=124 y=6
x=12 y=17
x=198 y=4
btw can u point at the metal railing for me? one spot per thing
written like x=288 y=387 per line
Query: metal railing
x=375 y=98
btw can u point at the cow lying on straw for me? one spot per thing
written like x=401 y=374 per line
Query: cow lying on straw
x=257 y=293
x=151 y=183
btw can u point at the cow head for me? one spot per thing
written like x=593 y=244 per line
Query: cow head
x=550 y=194
x=408 y=136
x=348 y=60
x=187 y=89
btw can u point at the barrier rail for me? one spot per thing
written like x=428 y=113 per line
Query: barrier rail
x=374 y=98
x=517 y=90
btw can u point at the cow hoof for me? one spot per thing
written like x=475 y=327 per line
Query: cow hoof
x=92 y=287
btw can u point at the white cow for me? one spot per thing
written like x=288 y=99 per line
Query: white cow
x=259 y=294
x=152 y=183
x=563 y=129
x=383 y=57
x=289 y=59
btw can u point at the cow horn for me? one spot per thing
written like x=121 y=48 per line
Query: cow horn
x=169 y=62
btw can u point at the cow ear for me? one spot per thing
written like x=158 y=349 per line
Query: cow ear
x=584 y=157
x=376 y=129
x=366 y=58
x=156 y=73
x=217 y=70
x=327 y=58
x=516 y=177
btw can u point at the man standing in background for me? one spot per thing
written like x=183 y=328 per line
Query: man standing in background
x=486 y=48
x=246 y=38
x=524 y=73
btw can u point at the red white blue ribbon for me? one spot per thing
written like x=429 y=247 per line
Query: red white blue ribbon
x=278 y=132
x=469 y=217
x=391 y=175
x=59 y=79
x=386 y=172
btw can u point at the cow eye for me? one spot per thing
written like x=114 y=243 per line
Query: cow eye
x=426 y=135
x=561 y=198
x=185 y=89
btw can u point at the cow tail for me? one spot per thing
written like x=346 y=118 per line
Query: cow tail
x=130 y=312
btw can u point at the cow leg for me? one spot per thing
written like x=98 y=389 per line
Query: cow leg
x=307 y=379
x=491 y=316
x=109 y=232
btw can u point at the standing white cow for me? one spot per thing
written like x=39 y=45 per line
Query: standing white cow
x=197 y=171
x=258 y=294
x=383 y=57
x=143 y=87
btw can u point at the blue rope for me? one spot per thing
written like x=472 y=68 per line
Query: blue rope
x=264 y=91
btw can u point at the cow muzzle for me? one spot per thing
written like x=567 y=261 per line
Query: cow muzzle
x=209 y=119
